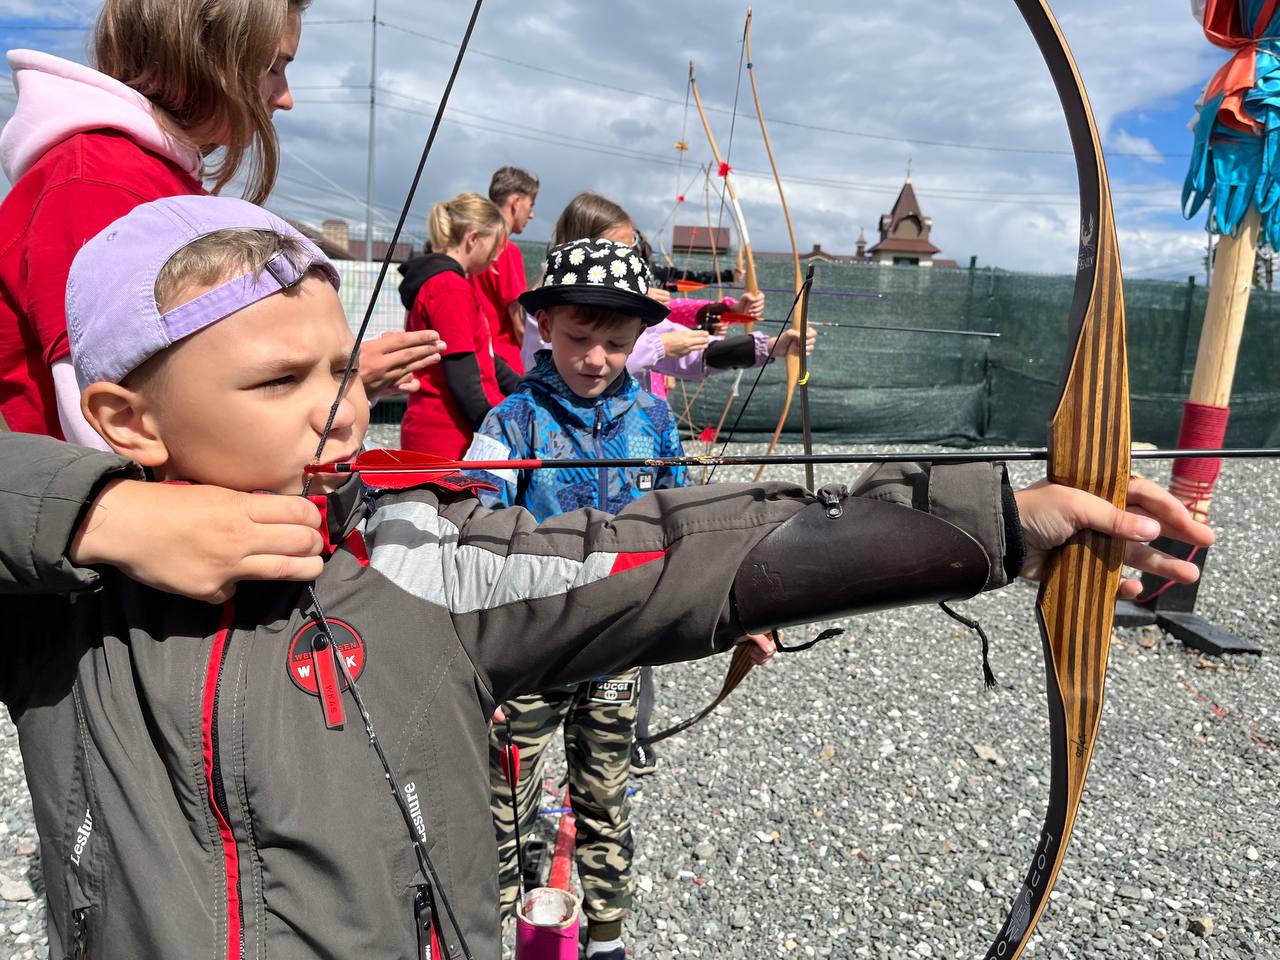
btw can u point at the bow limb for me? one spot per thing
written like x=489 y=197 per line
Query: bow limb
x=751 y=285
x=739 y=666
x=793 y=357
x=1088 y=449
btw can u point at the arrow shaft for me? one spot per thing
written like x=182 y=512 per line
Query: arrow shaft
x=876 y=326
x=912 y=456
x=863 y=294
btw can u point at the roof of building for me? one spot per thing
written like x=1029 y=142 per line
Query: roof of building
x=906 y=213
x=905 y=245
x=699 y=239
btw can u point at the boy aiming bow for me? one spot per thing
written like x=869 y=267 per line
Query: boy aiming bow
x=201 y=775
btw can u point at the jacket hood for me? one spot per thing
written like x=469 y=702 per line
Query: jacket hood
x=419 y=270
x=613 y=403
x=58 y=98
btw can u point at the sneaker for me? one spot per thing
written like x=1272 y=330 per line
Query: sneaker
x=643 y=759
x=617 y=953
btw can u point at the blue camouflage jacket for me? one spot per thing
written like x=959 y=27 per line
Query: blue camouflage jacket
x=546 y=420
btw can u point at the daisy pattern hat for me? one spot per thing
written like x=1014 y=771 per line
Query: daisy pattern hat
x=596 y=273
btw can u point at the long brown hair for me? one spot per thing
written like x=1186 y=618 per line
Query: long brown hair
x=201 y=61
x=587 y=217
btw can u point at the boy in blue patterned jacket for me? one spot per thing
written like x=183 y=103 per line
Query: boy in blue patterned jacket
x=579 y=401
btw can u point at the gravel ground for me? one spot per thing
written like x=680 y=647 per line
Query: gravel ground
x=869 y=799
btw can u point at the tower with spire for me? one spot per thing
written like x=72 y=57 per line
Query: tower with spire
x=904 y=232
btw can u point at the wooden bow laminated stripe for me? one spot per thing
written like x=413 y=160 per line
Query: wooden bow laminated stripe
x=793 y=357
x=1088 y=449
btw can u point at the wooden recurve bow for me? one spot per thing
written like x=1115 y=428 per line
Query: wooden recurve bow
x=1088 y=449
x=741 y=663
x=793 y=357
x=750 y=284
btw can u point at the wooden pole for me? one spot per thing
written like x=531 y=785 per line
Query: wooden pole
x=1224 y=316
x=1223 y=327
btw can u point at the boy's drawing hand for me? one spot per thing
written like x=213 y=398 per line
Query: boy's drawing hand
x=680 y=343
x=1051 y=513
x=388 y=363
x=760 y=646
x=199 y=541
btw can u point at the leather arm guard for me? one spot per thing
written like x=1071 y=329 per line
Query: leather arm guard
x=847 y=555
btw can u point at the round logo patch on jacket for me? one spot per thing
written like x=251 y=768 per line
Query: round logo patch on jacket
x=301 y=659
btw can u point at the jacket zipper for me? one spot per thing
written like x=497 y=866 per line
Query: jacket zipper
x=423 y=923
x=602 y=477
x=217 y=783
x=79 y=935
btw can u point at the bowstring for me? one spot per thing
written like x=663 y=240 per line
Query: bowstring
x=756 y=382
x=675 y=207
x=327 y=644
x=724 y=190
x=733 y=126
x=354 y=360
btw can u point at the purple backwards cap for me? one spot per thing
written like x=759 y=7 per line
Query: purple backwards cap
x=112 y=319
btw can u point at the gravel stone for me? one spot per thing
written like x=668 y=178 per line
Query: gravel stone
x=16 y=891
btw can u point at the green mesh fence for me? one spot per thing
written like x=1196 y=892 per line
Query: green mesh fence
x=875 y=386
x=872 y=386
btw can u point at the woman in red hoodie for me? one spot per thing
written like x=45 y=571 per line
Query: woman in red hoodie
x=84 y=147
x=184 y=90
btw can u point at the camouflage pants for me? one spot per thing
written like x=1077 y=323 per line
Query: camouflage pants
x=599 y=718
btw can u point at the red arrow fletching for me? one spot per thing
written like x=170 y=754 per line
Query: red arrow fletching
x=378 y=467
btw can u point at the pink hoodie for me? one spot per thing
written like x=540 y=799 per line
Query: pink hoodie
x=58 y=98
x=81 y=149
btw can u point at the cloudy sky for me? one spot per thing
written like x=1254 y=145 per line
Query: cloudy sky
x=591 y=95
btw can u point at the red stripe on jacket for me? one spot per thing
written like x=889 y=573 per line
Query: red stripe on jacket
x=230 y=852
x=628 y=561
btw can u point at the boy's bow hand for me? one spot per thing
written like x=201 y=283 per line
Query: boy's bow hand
x=760 y=646
x=1051 y=514
x=199 y=541
x=388 y=363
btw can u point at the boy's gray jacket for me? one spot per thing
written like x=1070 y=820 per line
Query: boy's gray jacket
x=191 y=801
